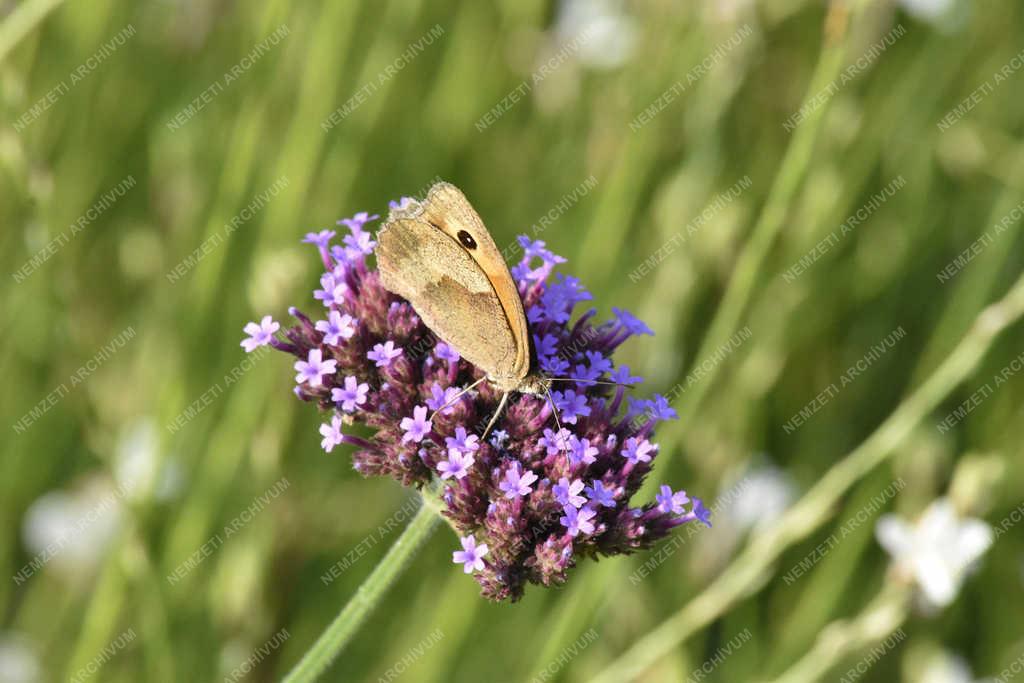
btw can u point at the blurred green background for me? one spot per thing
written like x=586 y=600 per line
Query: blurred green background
x=126 y=286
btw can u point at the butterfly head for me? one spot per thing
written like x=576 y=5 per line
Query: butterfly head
x=533 y=383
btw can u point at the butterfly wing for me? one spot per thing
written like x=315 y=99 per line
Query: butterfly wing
x=448 y=210
x=451 y=292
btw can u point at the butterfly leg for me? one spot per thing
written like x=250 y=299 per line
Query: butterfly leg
x=497 y=414
x=458 y=396
x=558 y=423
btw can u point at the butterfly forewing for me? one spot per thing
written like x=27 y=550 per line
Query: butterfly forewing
x=448 y=210
x=450 y=292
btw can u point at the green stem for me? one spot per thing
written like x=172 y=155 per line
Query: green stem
x=792 y=171
x=102 y=614
x=330 y=644
x=747 y=571
x=21 y=21
x=879 y=620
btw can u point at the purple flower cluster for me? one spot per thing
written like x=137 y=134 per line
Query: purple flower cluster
x=545 y=490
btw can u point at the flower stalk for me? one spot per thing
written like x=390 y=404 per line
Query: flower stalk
x=880 y=619
x=340 y=632
x=793 y=170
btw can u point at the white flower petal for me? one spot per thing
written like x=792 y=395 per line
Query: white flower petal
x=937 y=582
x=973 y=539
x=928 y=10
x=938 y=523
x=894 y=535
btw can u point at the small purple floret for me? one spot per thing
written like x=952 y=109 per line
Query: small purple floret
x=313 y=369
x=352 y=395
x=331 y=433
x=637 y=450
x=384 y=353
x=442 y=400
x=260 y=333
x=568 y=493
x=416 y=427
x=578 y=521
x=671 y=503
x=581 y=452
x=471 y=556
x=571 y=405
x=599 y=495
x=457 y=465
x=321 y=239
x=445 y=352
x=516 y=483
x=336 y=328
x=462 y=442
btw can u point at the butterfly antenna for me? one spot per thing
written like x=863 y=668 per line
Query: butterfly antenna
x=558 y=423
x=457 y=397
x=590 y=381
x=497 y=413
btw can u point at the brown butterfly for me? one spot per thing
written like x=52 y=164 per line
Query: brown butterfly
x=438 y=255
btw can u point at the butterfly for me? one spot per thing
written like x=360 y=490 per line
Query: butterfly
x=438 y=255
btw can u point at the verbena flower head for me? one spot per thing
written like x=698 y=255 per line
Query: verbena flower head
x=546 y=489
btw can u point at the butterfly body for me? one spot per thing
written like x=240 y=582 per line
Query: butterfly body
x=438 y=255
